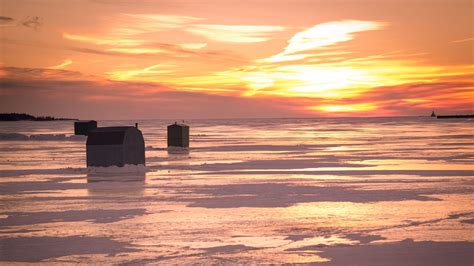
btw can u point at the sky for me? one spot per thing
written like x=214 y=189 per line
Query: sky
x=126 y=59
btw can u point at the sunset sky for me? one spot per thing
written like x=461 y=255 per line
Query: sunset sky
x=124 y=59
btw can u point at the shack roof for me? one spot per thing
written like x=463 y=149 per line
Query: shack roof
x=178 y=124
x=85 y=121
x=108 y=135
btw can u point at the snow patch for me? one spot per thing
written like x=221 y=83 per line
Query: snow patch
x=177 y=150
x=151 y=148
x=128 y=168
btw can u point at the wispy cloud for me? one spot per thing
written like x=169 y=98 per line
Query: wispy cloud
x=129 y=34
x=162 y=51
x=135 y=24
x=6 y=21
x=32 y=22
x=463 y=40
x=126 y=29
x=322 y=35
x=62 y=65
x=137 y=51
x=192 y=46
x=103 y=40
x=150 y=73
x=235 y=33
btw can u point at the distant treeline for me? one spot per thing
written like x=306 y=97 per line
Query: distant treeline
x=454 y=116
x=27 y=117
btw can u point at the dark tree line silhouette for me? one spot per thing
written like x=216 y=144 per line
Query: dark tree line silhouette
x=28 y=117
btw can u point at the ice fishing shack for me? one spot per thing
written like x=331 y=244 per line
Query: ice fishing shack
x=178 y=135
x=115 y=146
x=82 y=127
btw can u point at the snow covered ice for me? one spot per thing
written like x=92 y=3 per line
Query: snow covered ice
x=380 y=191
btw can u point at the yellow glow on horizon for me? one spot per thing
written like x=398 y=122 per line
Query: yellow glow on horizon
x=345 y=108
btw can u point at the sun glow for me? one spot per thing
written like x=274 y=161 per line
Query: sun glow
x=362 y=107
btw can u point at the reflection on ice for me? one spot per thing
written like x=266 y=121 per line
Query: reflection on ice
x=116 y=177
x=126 y=169
x=116 y=184
x=127 y=173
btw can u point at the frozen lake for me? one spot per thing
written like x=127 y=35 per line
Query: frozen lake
x=361 y=191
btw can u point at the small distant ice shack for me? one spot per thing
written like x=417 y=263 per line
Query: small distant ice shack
x=82 y=127
x=115 y=146
x=178 y=135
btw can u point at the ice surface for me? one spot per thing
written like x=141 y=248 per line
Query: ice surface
x=362 y=191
